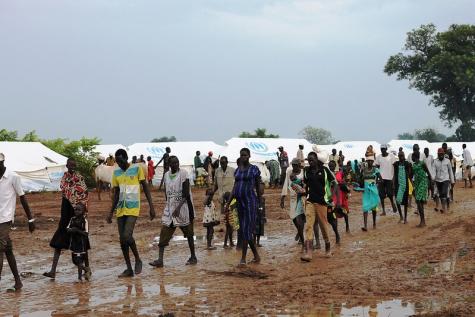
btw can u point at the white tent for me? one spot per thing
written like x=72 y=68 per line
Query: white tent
x=355 y=150
x=185 y=151
x=39 y=167
x=105 y=149
x=407 y=145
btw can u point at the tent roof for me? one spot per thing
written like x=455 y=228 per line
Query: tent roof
x=263 y=149
x=30 y=156
x=185 y=151
x=105 y=149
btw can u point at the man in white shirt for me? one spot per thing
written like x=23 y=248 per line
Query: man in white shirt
x=300 y=155
x=467 y=165
x=429 y=161
x=10 y=187
x=384 y=162
x=443 y=177
x=336 y=158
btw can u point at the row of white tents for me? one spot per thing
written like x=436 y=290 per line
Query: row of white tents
x=41 y=168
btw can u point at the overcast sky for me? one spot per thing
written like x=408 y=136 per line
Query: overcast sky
x=127 y=71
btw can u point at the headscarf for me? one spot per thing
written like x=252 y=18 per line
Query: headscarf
x=74 y=188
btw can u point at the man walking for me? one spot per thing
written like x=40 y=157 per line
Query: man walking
x=384 y=162
x=336 y=158
x=126 y=181
x=444 y=177
x=284 y=164
x=300 y=155
x=10 y=187
x=166 y=166
x=467 y=165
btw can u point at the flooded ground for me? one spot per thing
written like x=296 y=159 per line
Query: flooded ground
x=395 y=270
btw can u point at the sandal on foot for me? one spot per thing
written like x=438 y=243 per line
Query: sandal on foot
x=364 y=229
x=87 y=274
x=138 y=267
x=191 y=261
x=156 y=263
x=126 y=273
x=50 y=275
x=15 y=288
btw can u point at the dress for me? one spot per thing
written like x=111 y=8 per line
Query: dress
x=402 y=173
x=74 y=191
x=421 y=182
x=261 y=219
x=245 y=194
x=296 y=194
x=210 y=216
x=370 y=194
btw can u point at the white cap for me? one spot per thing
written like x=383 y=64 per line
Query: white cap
x=2 y=157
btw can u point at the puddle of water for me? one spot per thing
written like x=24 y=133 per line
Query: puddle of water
x=445 y=267
x=41 y=313
x=392 y=308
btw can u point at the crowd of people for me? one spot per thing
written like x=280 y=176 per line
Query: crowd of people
x=318 y=188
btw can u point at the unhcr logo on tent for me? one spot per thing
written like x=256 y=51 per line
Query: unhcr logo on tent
x=259 y=148
x=349 y=146
x=156 y=151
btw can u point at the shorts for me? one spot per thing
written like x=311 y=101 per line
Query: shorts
x=386 y=189
x=5 y=241
x=468 y=172
x=166 y=234
x=443 y=189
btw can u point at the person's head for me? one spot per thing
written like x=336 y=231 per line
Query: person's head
x=244 y=155
x=384 y=149
x=440 y=153
x=301 y=146
x=332 y=166
x=444 y=146
x=415 y=148
x=401 y=156
x=2 y=160
x=348 y=163
x=400 y=149
x=198 y=153
x=370 y=161
x=134 y=159
x=295 y=164
x=174 y=164
x=122 y=158
x=340 y=153
x=334 y=151
x=210 y=153
x=416 y=156
x=110 y=155
x=450 y=153
x=281 y=148
x=149 y=158
x=71 y=165
x=223 y=161
x=79 y=209
x=141 y=157
x=464 y=146
x=426 y=151
x=168 y=150
x=312 y=159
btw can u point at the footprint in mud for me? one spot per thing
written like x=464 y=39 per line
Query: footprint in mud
x=245 y=273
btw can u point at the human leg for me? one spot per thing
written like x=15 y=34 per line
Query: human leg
x=308 y=231
x=52 y=272
x=166 y=234
x=323 y=223
x=121 y=226
x=190 y=237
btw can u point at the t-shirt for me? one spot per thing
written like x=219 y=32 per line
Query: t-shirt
x=10 y=187
x=315 y=181
x=224 y=180
x=467 y=158
x=283 y=159
x=385 y=164
x=128 y=182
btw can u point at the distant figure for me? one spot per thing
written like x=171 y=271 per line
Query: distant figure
x=10 y=187
x=210 y=218
x=422 y=179
x=300 y=155
x=166 y=165
x=274 y=170
x=134 y=159
x=208 y=166
x=443 y=178
x=151 y=170
x=199 y=170
x=429 y=161
x=141 y=159
x=110 y=161
x=384 y=162
x=402 y=177
x=284 y=164
x=336 y=158
x=341 y=162
x=467 y=165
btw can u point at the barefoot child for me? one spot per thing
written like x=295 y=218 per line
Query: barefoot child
x=228 y=235
x=210 y=218
x=79 y=244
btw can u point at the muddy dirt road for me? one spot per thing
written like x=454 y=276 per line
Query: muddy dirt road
x=395 y=270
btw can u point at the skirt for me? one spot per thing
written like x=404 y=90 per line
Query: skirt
x=61 y=238
x=370 y=197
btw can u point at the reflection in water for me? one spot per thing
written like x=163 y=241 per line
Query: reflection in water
x=393 y=308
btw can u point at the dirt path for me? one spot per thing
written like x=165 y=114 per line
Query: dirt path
x=395 y=270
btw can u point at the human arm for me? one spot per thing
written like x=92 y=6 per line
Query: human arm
x=146 y=191
x=156 y=165
x=451 y=174
x=115 y=201
x=26 y=207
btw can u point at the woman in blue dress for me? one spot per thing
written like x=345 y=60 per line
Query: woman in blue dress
x=247 y=179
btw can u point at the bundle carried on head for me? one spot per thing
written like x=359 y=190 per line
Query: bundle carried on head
x=322 y=155
x=369 y=155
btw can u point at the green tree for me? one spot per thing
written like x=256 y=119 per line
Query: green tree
x=430 y=135
x=6 y=135
x=164 y=139
x=82 y=151
x=317 y=135
x=405 y=136
x=31 y=137
x=258 y=133
x=441 y=65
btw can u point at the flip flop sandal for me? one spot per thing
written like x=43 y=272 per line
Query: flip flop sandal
x=191 y=261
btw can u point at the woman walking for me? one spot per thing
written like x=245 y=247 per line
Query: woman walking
x=248 y=195
x=422 y=180
x=74 y=192
x=402 y=175
x=371 y=176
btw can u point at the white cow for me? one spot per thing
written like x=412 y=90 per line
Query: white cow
x=103 y=175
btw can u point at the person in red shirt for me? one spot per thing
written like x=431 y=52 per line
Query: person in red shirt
x=151 y=170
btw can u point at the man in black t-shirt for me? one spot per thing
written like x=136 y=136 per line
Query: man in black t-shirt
x=166 y=165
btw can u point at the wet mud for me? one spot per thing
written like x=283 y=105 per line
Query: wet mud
x=394 y=270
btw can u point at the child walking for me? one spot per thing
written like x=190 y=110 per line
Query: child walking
x=78 y=228
x=260 y=221
x=228 y=235
x=210 y=218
